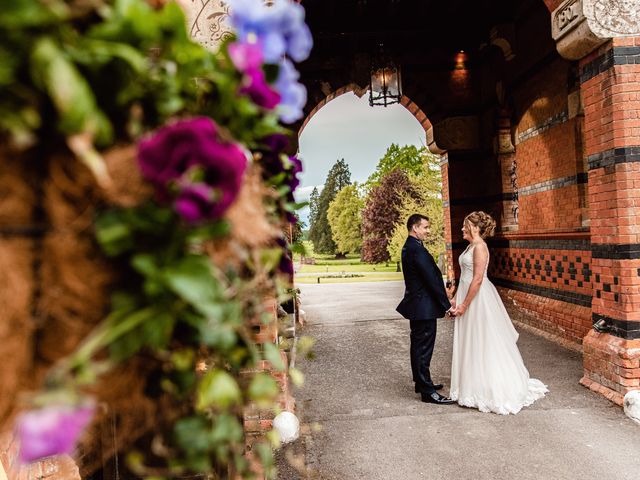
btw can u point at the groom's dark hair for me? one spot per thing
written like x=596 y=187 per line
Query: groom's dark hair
x=415 y=219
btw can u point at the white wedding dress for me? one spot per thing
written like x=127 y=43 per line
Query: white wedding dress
x=487 y=371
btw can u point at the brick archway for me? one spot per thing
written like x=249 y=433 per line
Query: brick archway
x=406 y=102
x=431 y=144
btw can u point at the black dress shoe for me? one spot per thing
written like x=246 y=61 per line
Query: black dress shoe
x=435 y=397
x=437 y=386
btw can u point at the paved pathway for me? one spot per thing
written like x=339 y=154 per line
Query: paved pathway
x=373 y=426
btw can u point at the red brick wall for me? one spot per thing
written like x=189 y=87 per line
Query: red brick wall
x=611 y=94
x=549 y=148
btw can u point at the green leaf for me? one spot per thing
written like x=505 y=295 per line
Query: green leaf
x=207 y=232
x=227 y=429
x=270 y=258
x=272 y=355
x=217 y=389
x=191 y=278
x=16 y=14
x=183 y=359
x=221 y=337
x=263 y=389
x=69 y=91
x=113 y=234
x=192 y=433
x=145 y=264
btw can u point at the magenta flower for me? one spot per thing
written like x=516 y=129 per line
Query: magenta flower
x=170 y=157
x=51 y=430
x=261 y=93
x=197 y=202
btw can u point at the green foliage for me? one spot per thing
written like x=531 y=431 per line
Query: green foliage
x=410 y=159
x=96 y=73
x=320 y=232
x=313 y=206
x=381 y=213
x=427 y=200
x=77 y=67
x=345 y=219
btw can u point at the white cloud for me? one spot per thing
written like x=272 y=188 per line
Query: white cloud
x=302 y=194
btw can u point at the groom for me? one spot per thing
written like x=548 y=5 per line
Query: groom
x=425 y=300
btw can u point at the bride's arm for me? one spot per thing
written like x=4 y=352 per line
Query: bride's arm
x=480 y=257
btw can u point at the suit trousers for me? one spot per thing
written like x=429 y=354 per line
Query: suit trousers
x=423 y=338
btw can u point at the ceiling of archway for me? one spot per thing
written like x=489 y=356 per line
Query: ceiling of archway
x=422 y=36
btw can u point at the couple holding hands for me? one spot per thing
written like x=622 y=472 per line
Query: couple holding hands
x=487 y=371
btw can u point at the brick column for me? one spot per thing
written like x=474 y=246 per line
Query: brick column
x=610 y=86
x=507 y=159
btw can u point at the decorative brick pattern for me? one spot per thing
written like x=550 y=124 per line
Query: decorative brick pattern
x=566 y=272
x=536 y=130
x=623 y=55
x=553 y=184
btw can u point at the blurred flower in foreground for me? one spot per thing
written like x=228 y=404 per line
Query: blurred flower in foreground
x=51 y=430
x=175 y=154
x=279 y=29
x=293 y=94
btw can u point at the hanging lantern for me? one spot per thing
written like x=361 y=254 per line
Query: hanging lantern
x=385 y=84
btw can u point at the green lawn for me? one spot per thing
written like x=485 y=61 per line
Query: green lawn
x=327 y=264
x=383 y=277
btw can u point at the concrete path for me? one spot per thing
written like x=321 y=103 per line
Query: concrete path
x=371 y=425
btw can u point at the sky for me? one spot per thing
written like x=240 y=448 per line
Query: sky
x=347 y=127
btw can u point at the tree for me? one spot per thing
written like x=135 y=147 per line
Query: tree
x=427 y=200
x=313 y=205
x=410 y=159
x=345 y=219
x=320 y=232
x=380 y=215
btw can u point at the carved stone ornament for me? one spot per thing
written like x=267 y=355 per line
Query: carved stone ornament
x=580 y=26
x=207 y=21
x=458 y=133
x=613 y=18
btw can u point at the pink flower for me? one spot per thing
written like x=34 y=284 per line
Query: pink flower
x=246 y=56
x=51 y=430
x=168 y=158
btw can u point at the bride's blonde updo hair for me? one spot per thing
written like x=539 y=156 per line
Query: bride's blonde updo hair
x=483 y=221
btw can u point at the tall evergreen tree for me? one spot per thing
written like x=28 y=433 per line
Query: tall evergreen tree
x=320 y=232
x=313 y=206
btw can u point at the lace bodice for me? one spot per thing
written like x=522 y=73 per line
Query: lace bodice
x=466 y=264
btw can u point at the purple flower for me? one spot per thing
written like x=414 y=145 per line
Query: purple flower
x=296 y=168
x=274 y=161
x=51 y=430
x=170 y=157
x=279 y=29
x=276 y=143
x=196 y=203
x=257 y=88
x=293 y=94
x=286 y=264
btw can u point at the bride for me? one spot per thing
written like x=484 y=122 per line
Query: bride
x=487 y=371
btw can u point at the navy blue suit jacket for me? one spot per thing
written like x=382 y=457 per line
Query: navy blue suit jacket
x=425 y=297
